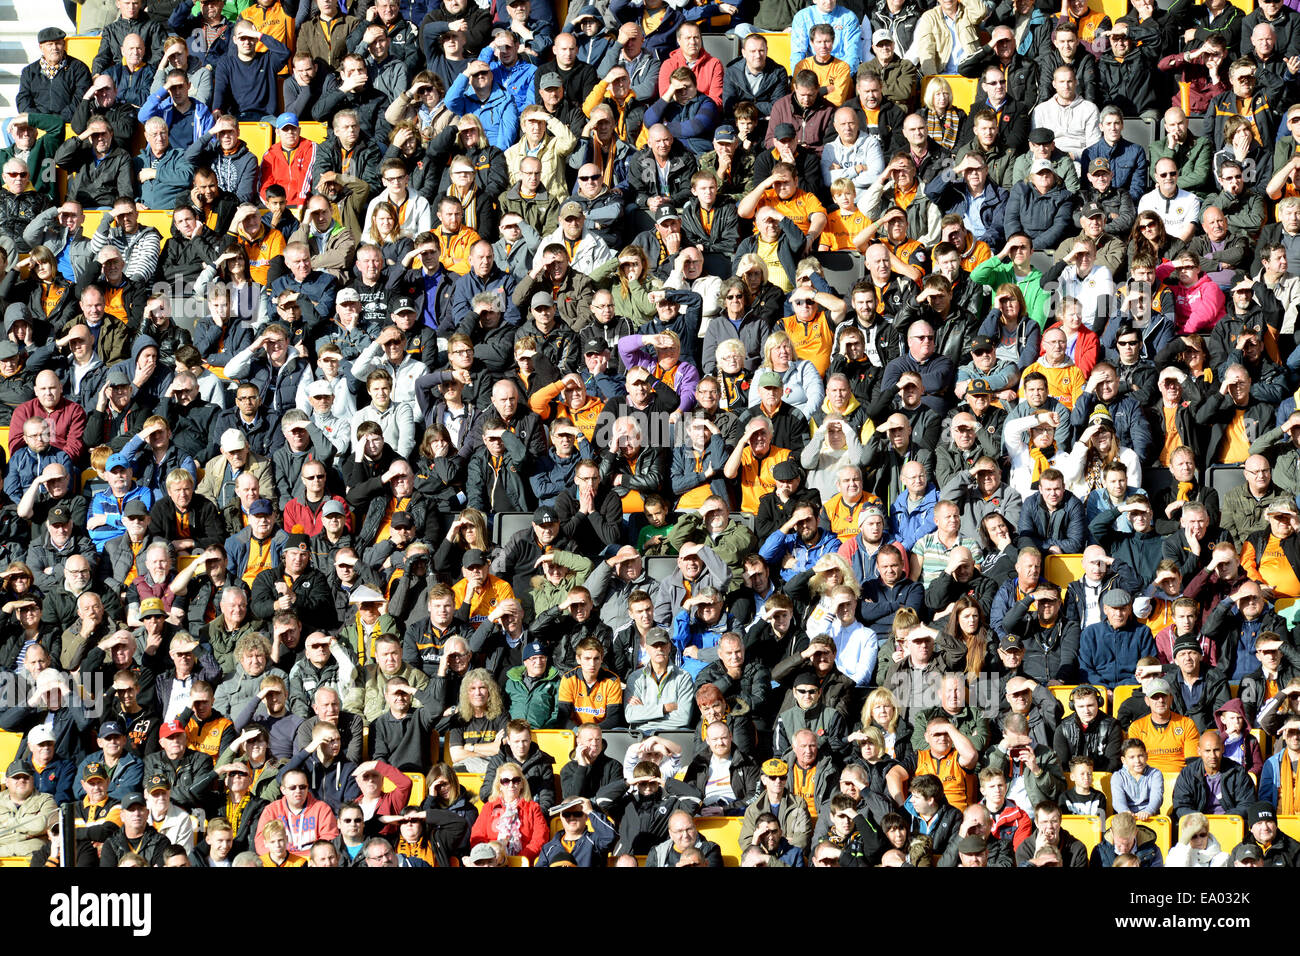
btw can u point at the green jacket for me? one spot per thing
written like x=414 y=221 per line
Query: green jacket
x=796 y=823
x=22 y=828
x=547 y=595
x=40 y=161
x=732 y=545
x=1277 y=446
x=994 y=272
x=1241 y=515
x=539 y=704
x=1193 y=159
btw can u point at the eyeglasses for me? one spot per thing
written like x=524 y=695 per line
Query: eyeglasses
x=997 y=82
x=735 y=297
x=806 y=691
x=922 y=338
x=588 y=179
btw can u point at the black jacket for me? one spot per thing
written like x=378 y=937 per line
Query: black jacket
x=1101 y=741
x=1192 y=793
x=774 y=84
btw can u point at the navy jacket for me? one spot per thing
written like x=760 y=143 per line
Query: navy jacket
x=1064 y=529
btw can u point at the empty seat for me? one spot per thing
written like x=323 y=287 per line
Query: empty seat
x=314 y=131
x=1085 y=829
x=1063 y=569
x=660 y=566
x=725 y=832
x=1164 y=828
x=778 y=47
x=1138 y=131
x=505 y=524
x=83 y=49
x=1229 y=829
x=1223 y=478
x=558 y=744
x=842 y=269
x=724 y=46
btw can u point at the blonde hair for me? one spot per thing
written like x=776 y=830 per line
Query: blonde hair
x=494 y=707
x=728 y=346
x=778 y=337
x=881 y=695
x=1187 y=825
x=819 y=583
x=750 y=261
x=525 y=792
x=936 y=84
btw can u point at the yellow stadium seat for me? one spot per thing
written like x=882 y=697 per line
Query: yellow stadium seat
x=184 y=561
x=1167 y=803
x=1164 y=828
x=4 y=443
x=1112 y=8
x=1122 y=693
x=15 y=861
x=83 y=49
x=258 y=137
x=91 y=223
x=517 y=861
x=1264 y=741
x=778 y=48
x=1100 y=781
x=471 y=783
x=963 y=89
x=1289 y=824
x=316 y=132
x=1085 y=829
x=1246 y=6
x=417 y=788
x=10 y=743
x=725 y=832
x=1063 y=692
x=88 y=476
x=1228 y=829
x=160 y=219
x=1063 y=569
x=557 y=743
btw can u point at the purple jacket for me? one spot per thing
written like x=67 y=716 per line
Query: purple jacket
x=685 y=377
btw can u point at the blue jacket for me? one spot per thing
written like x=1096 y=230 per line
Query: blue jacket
x=183 y=134
x=848 y=34
x=682 y=472
x=908 y=524
x=692 y=123
x=779 y=544
x=499 y=114
x=1268 y=778
x=591 y=848
x=1108 y=657
x=129 y=777
x=1065 y=529
x=878 y=604
x=1046 y=219
x=690 y=631
x=27 y=464
x=171 y=182
x=955 y=198
x=56 y=779
x=105 y=503
x=1128 y=165
x=516 y=80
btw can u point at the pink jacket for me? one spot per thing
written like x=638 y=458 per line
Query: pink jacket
x=317 y=822
x=1197 y=308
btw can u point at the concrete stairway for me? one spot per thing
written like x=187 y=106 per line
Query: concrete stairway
x=20 y=21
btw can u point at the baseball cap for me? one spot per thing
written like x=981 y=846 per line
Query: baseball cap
x=545 y=515
x=982 y=343
x=133 y=800
x=94 y=771
x=882 y=36
x=979 y=386
x=550 y=81
x=40 y=734
x=401 y=519
x=1011 y=642
x=775 y=767
x=170 y=728
x=1041 y=166
x=135 y=509
x=534 y=649
x=152 y=607
x=666 y=214
x=347 y=294
x=111 y=728
x=1090 y=210
x=571 y=209
x=1240 y=853
x=1283 y=506
x=21 y=767
x=473 y=558
x=783 y=131
x=157 y=782
x=59 y=514
x=286 y=119
x=232 y=439
x=541 y=300
x=769 y=380
x=365 y=594
x=117 y=460
x=319 y=388
x=260 y=507
x=9 y=350
x=402 y=303
x=1100 y=163
x=594 y=345
x=724 y=134
x=657 y=635
x=1157 y=685
x=482 y=853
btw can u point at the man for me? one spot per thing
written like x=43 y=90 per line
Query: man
x=1177 y=208
x=306 y=818
x=1270 y=846
x=725 y=777
x=136 y=835
x=754 y=77
x=1048 y=832
x=243 y=81
x=1109 y=650
x=1074 y=117
x=1171 y=739
x=100 y=171
x=683 y=837
x=1128 y=164
x=1212 y=783
x=1039 y=208
x=980 y=203
x=24 y=812
x=55 y=82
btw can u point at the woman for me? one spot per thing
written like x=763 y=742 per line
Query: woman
x=765 y=299
x=833 y=446
x=804 y=388
x=1196 y=845
x=632 y=294
x=997 y=543
x=468 y=531
x=17 y=581
x=422 y=104
x=385 y=232
x=1084 y=465
x=253 y=747
x=1009 y=324
x=942 y=120
x=734 y=379
x=967 y=638
x=248 y=301
x=881 y=711
x=1239 y=146
x=439 y=478
x=511 y=816
x=886 y=776
x=856 y=644
x=406 y=145
x=479 y=724
x=35 y=282
x=737 y=320
x=1149 y=238
x=811 y=587
x=446 y=793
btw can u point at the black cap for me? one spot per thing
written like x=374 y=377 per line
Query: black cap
x=1011 y=642
x=21 y=766
x=402 y=303
x=50 y=34
x=594 y=344
x=1263 y=810
x=135 y=509
x=786 y=471
x=982 y=343
x=133 y=799
x=545 y=515
x=402 y=519
x=59 y=514
x=299 y=540
x=1041 y=135
x=783 y=131
x=972 y=843
x=1091 y=209
x=805 y=677
x=473 y=558
x=979 y=386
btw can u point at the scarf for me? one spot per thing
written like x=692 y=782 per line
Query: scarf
x=735 y=389
x=1185 y=489
x=509 y=829
x=1040 y=462
x=943 y=129
x=1286 y=785
x=1094 y=474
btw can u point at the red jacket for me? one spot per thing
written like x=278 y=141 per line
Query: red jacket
x=533 y=827
x=707 y=70
x=1086 y=347
x=293 y=174
x=68 y=420
x=302 y=517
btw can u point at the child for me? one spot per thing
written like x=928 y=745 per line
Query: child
x=897 y=832
x=653 y=540
x=278 y=215
x=1082 y=799
x=1238 y=743
x=846 y=221
x=1138 y=788
x=844 y=815
x=747 y=129
x=1156 y=607
x=1009 y=821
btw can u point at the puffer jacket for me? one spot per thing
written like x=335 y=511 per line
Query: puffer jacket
x=1148 y=854
x=1044 y=217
